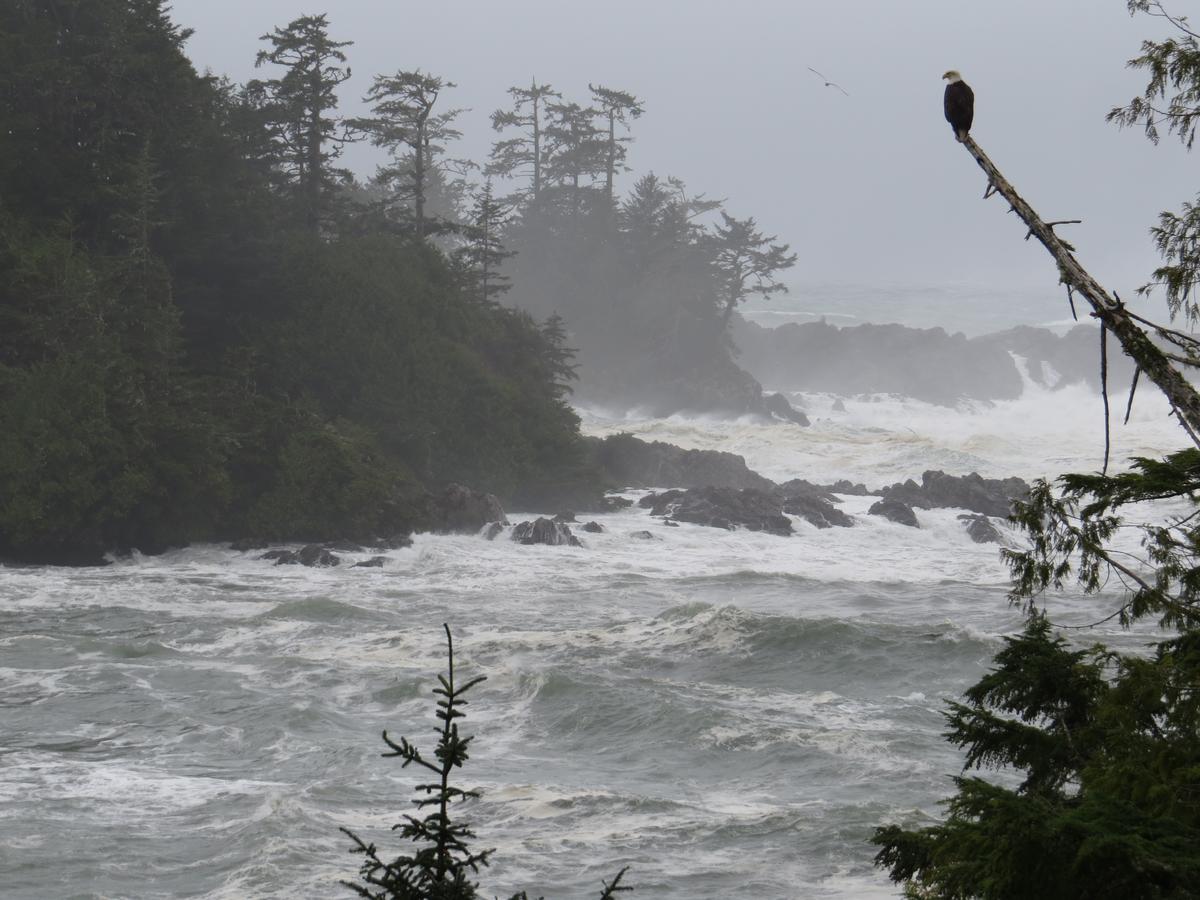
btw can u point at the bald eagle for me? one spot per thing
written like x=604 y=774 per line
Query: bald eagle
x=959 y=104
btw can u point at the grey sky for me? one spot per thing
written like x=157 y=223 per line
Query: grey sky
x=869 y=188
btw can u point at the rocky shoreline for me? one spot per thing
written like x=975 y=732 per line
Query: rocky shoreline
x=716 y=489
x=711 y=488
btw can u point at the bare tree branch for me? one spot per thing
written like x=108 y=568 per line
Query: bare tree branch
x=1109 y=310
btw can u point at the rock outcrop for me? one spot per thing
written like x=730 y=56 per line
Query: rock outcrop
x=989 y=496
x=778 y=406
x=544 y=531
x=812 y=503
x=628 y=461
x=895 y=511
x=456 y=509
x=981 y=529
x=309 y=555
x=720 y=507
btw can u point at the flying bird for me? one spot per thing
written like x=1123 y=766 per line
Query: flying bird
x=959 y=104
x=828 y=83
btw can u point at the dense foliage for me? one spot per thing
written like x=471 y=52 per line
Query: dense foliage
x=206 y=332
x=1100 y=750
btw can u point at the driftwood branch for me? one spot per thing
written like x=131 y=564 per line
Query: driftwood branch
x=1109 y=310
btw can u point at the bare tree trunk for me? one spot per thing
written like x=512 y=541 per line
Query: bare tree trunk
x=1109 y=310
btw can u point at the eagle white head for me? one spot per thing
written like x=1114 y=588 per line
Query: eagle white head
x=952 y=76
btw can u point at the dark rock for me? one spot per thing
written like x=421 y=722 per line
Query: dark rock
x=544 y=531
x=989 y=496
x=613 y=502
x=813 y=503
x=845 y=487
x=838 y=406
x=375 y=562
x=565 y=517
x=650 y=501
x=492 y=530
x=316 y=555
x=778 y=406
x=724 y=508
x=594 y=527
x=460 y=510
x=643 y=536
x=894 y=511
x=309 y=555
x=632 y=462
x=670 y=524
x=878 y=359
x=981 y=529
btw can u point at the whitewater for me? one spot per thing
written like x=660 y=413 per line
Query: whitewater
x=727 y=713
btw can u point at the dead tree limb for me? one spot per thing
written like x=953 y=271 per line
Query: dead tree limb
x=1110 y=311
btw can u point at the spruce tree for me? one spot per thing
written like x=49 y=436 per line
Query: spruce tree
x=525 y=154
x=299 y=105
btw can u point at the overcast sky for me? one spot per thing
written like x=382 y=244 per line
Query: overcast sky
x=868 y=189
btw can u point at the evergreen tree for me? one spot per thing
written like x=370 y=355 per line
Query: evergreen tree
x=746 y=262
x=1174 y=67
x=525 y=154
x=483 y=252
x=307 y=139
x=614 y=108
x=575 y=154
x=443 y=863
x=405 y=123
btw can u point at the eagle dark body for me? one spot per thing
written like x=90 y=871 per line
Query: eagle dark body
x=959 y=103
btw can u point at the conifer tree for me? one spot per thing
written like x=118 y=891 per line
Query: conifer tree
x=299 y=104
x=525 y=154
x=405 y=123
x=575 y=152
x=483 y=252
x=746 y=262
x=443 y=863
x=614 y=108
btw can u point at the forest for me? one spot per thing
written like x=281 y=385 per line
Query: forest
x=210 y=330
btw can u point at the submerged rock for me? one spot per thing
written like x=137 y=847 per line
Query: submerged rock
x=894 y=511
x=493 y=529
x=375 y=562
x=594 y=527
x=813 y=503
x=544 y=531
x=981 y=529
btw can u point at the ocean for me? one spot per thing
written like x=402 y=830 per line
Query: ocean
x=726 y=713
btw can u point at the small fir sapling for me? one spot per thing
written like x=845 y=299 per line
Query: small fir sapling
x=442 y=865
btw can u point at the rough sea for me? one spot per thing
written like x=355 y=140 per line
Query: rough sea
x=726 y=713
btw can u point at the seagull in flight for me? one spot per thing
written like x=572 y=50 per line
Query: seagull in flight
x=828 y=83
